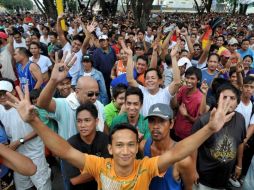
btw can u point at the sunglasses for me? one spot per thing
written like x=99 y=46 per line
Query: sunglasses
x=91 y=94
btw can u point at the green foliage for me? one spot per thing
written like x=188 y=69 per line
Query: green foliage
x=17 y=4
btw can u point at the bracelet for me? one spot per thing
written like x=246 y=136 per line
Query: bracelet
x=237 y=167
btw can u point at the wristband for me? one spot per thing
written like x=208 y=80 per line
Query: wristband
x=237 y=167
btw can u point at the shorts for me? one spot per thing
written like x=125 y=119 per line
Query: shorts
x=41 y=179
x=203 y=187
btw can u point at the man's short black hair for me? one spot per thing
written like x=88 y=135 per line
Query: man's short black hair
x=194 y=71
x=90 y=107
x=230 y=87
x=248 y=80
x=35 y=43
x=24 y=51
x=118 y=89
x=156 y=70
x=122 y=126
x=245 y=39
x=143 y=57
x=53 y=34
x=79 y=38
x=134 y=91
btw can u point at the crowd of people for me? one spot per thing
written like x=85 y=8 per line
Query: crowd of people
x=121 y=107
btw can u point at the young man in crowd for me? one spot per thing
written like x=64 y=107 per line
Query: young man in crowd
x=181 y=174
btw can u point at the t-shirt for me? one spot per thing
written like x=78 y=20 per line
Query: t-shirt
x=217 y=155
x=142 y=124
x=44 y=63
x=104 y=173
x=98 y=147
x=192 y=102
x=208 y=77
x=249 y=51
x=110 y=112
x=17 y=45
x=162 y=96
x=246 y=112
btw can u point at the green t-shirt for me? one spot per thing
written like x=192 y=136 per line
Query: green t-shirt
x=110 y=111
x=142 y=124
x=47 y=119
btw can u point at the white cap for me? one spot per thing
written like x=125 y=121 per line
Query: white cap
x=232 y=41
x=183 y=61
x=103 y=37
x=6 y=86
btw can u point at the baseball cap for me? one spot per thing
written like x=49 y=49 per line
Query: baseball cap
x=226 y=53
x=87 y=58
x=232 y=41
x=3 y=35
x=139 y=45
x=183 y=61
x=160 y=110
x=103 y=37
x=6 y=86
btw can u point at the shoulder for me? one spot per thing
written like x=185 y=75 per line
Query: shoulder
x=34 y=66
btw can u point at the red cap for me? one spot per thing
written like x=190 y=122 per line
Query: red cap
x=226 y=53
x=3 y=35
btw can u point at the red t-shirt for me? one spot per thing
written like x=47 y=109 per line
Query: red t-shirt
x=192 y=102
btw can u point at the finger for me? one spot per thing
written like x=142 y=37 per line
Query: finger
x=12 y=104
x=64 y=56
x=229 y=116
x=56 y=58
x=20 y=93
x=220 y=103
x=213 y=112
x=227 y=105
x=27 y=94
x=71 y=63
x=12 y=97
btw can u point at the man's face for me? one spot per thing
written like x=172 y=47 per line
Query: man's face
x=141 y=66
x=87 y=94
x=34 y=49
x=76 y=45
x=119 y=101
x=245 y=45
x=86 y=123
x=34 y=38
x=152 y=80
x=193 y=38
x=17 y=38
x=52 y=39
x=124 y=148
x=159 y=128
x=219 y=42
x=123 y=55
x=104 y=30
x=64 y=87
x=229 y=95
x=233 y=79
x=104 y=44
x=247 y=62
x=248 y=90
x=194 y=30
x=132 y=105
x=251 y=40
x=232 y=48
x=213 y=63
x=17 y=56
x=191 y=81
x=28 y=42
x=140 y=36
x=149 y=31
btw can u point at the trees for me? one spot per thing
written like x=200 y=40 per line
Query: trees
x=18 y=5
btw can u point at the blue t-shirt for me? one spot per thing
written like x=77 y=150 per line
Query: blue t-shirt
x=162 y=183
x=249 y=51
x=3 y=140
x=208 y=77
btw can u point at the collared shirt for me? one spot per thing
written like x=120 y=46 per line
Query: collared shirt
x=110 y=112
x=142 y=124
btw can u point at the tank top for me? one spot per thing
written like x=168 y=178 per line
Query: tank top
x=162 y=183
x=120 y=68
x=25 y=76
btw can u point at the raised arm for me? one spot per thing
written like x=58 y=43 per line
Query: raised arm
x=154 y=58
x=88 y=30
x=189 y=43
x=129 y=69
x=16 y=161
x=58 y=74
x=54 y=142
x=174 y=85
x=60 y=31
x=188 y=145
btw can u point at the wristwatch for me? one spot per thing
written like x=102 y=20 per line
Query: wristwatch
x=21 y=140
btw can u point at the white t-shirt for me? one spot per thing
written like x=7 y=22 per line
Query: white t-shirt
x=44 y=40
x=246 y=112
x=75 y=69
x=162 y=96
x=16 y=128
x=44 y=63
x=22 y=44
x=149 y=39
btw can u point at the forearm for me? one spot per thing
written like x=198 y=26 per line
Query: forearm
x=38 y=84
x=250 y=132
x=82 y=178
x=239 y=79
x=46 y=95
x=240 y=155
x=202 y=107
x=30 y=136
x=129 y=71
x=16 y=161
x=190 y=118
x=154 y=59
x=166 y=41
x=176 y=71
x=189 y=44
x=59 y=28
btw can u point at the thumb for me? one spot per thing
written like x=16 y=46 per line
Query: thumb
x=229 y=116
x=213 y=112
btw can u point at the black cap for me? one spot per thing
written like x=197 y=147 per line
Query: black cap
x=87 y=58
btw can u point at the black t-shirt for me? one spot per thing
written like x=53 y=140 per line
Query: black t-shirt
x=98 y=148
x=217 y=155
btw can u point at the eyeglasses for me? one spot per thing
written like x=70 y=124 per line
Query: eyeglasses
x=91 y=94
x=197 y=49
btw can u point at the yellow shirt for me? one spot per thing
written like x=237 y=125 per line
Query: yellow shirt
x=102 y=169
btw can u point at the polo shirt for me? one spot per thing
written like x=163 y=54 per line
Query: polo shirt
x=110 y=111
x=142 y=124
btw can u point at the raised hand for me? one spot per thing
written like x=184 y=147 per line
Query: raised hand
x=125 y=48
x=183 y=110
x=204 y=87
x=61 y=68
x=220 y=116
x=61 y=16
x=91 y=27
x=174 y=50
x=26 y=110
